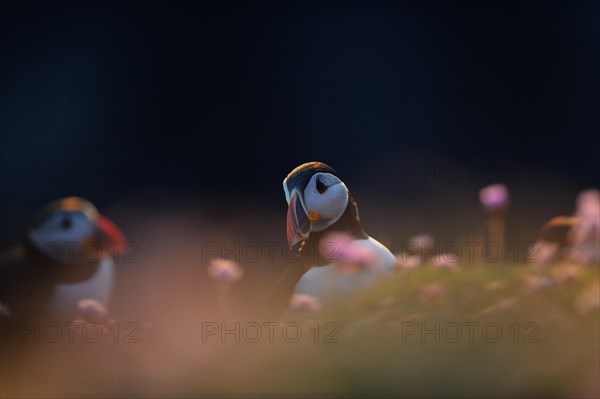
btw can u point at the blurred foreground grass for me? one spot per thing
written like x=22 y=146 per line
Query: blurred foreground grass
x=502 y=331
x=529 y=333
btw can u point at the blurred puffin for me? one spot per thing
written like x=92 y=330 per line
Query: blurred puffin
x=65 y=257
x=319 y=203
x=574 y=237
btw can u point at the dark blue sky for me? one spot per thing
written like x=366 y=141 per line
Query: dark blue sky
x=103 y=99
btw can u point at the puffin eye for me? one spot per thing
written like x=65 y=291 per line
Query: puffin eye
x=321 y=187
x=66 y=223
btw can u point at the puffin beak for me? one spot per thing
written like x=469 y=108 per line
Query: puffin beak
x=298 y=225
x=113 y=239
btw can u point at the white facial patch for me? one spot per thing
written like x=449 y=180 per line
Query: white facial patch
x=329 y=204
x=61 y=233
x=286 y=191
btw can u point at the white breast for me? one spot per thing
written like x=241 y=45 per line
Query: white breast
x=63 y=303
x=328 y=284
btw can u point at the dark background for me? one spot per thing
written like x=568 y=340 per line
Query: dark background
x=179 y=120
x=219 y=101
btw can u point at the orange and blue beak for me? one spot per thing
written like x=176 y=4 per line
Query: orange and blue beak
x=113 y=240
x=298 y=223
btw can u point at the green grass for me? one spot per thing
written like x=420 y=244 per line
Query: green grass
x=373 y=356
x=556 y=355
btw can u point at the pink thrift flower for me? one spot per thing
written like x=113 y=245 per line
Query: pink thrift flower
x=422 y=243
x=588 y=210
x=305 y=303
x=348 y=254
x=446 y=261
x=333 y=246
x=542 y=253
x=434 y=290
x=92 y=311
x=588 y=206
x=406 y=261
x=225 y=271
x=494 y=197
x=589 y=299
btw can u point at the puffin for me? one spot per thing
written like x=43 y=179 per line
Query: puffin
x=559 y=231
x=319 y=204
x=66 y=256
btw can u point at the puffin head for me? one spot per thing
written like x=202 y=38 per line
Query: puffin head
x=317 y=198
x=72 y=231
